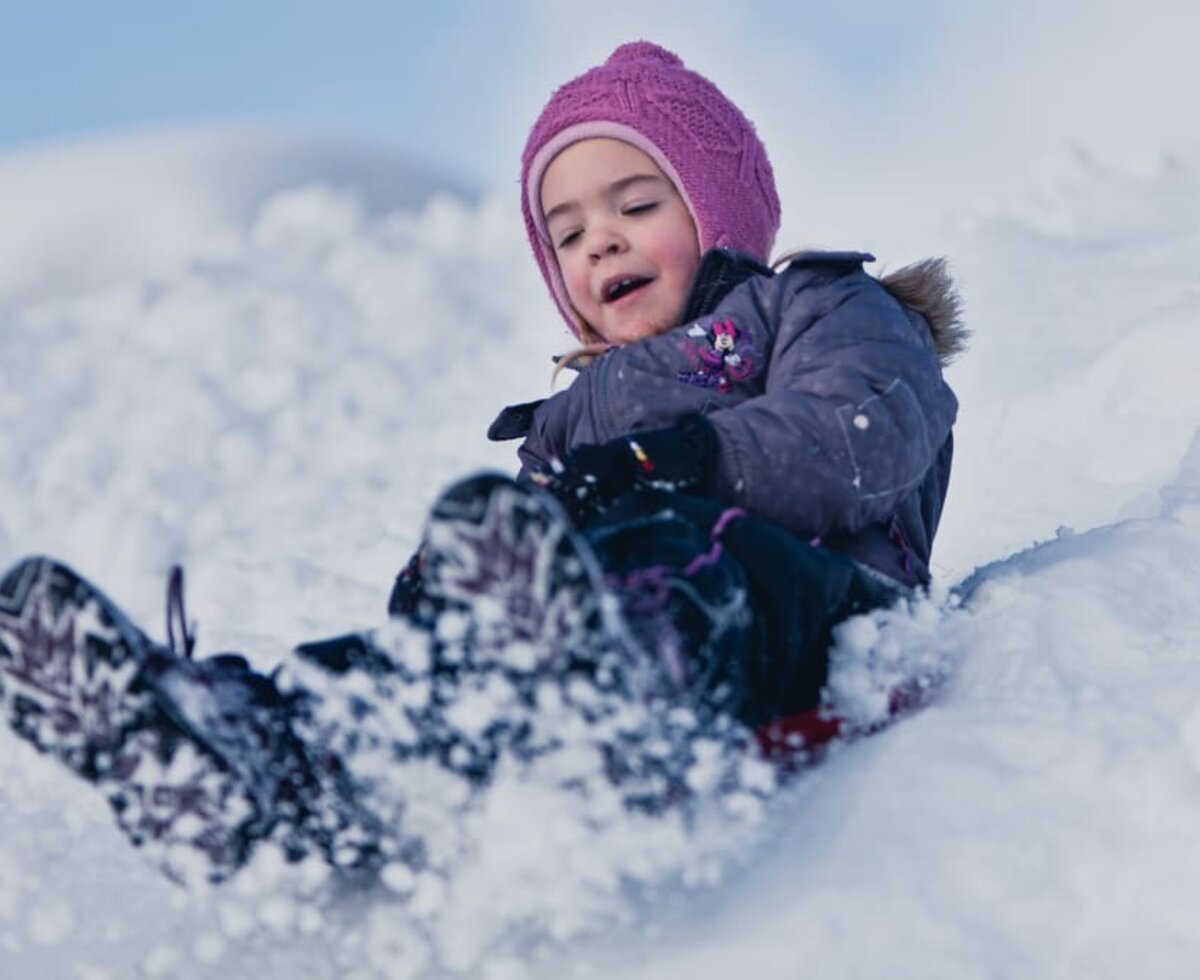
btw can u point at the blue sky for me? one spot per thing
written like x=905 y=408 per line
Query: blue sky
x=878 y=95
x=447 y=81
x=83 y=68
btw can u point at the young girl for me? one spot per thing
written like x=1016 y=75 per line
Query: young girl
x=745 y=458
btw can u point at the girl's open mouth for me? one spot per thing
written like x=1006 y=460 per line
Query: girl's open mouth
x=624 y=287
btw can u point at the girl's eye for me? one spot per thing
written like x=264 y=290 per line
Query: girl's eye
x=641 y=208
x=567 y=239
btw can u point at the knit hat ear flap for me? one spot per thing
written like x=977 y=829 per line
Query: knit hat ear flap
x=700 y=140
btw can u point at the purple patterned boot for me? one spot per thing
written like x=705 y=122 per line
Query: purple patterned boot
x=507 y=556
x=196 y=758
x=527 y=602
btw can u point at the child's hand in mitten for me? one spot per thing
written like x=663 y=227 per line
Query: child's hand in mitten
x=591 y=476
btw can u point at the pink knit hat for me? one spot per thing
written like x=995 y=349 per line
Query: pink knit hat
x=644 y=96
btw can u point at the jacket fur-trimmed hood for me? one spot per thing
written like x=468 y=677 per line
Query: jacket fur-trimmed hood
x=926 y=287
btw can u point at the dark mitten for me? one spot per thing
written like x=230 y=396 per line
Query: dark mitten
x=591 y=476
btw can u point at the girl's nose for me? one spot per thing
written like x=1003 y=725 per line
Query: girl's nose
x=605 y=242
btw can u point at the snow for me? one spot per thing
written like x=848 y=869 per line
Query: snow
x=272 y=385
x=81 y=213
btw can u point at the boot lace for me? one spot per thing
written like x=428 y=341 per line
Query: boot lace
x=177 y=616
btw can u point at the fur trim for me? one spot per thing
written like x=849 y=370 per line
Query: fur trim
x=926 y=287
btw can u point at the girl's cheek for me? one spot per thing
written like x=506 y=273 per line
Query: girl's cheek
x=576 y=285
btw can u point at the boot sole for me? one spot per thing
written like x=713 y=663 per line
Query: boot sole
x=68 y=660
x=76 y=682
x=509 y=554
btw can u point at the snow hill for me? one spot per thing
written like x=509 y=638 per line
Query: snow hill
x=80 y=213
x=267 y=373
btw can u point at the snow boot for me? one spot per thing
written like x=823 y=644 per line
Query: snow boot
x=540 y=607
x=196 y=758
x=506 y=556
x=510 y=599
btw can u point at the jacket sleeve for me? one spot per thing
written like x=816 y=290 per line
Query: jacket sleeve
x=558 y=423
x=853 y=414
x=540 y=444
x=630 y=389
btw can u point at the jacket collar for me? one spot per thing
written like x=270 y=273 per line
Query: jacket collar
x=720 y=271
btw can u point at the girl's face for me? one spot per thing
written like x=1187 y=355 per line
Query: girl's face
x=625 y=242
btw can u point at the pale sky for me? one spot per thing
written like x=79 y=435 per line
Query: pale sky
x=934 y=93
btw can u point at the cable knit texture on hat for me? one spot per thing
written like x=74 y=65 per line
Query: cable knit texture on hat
x=645 y=96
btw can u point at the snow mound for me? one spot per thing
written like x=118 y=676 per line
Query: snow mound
x=1039 y=820
x=276 y=402
x=268 y=394
x=1078 y=392
x=81 y=215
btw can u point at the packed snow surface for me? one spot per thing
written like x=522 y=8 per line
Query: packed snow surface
x=275 y=397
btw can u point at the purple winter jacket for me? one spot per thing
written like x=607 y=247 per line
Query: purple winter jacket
x=825 y=390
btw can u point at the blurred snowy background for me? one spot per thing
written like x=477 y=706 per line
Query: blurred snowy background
x=263 y=283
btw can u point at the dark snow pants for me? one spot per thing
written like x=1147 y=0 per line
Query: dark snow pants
x=749 y=607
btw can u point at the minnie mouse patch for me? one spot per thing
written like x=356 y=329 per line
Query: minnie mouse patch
x=719 y=356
